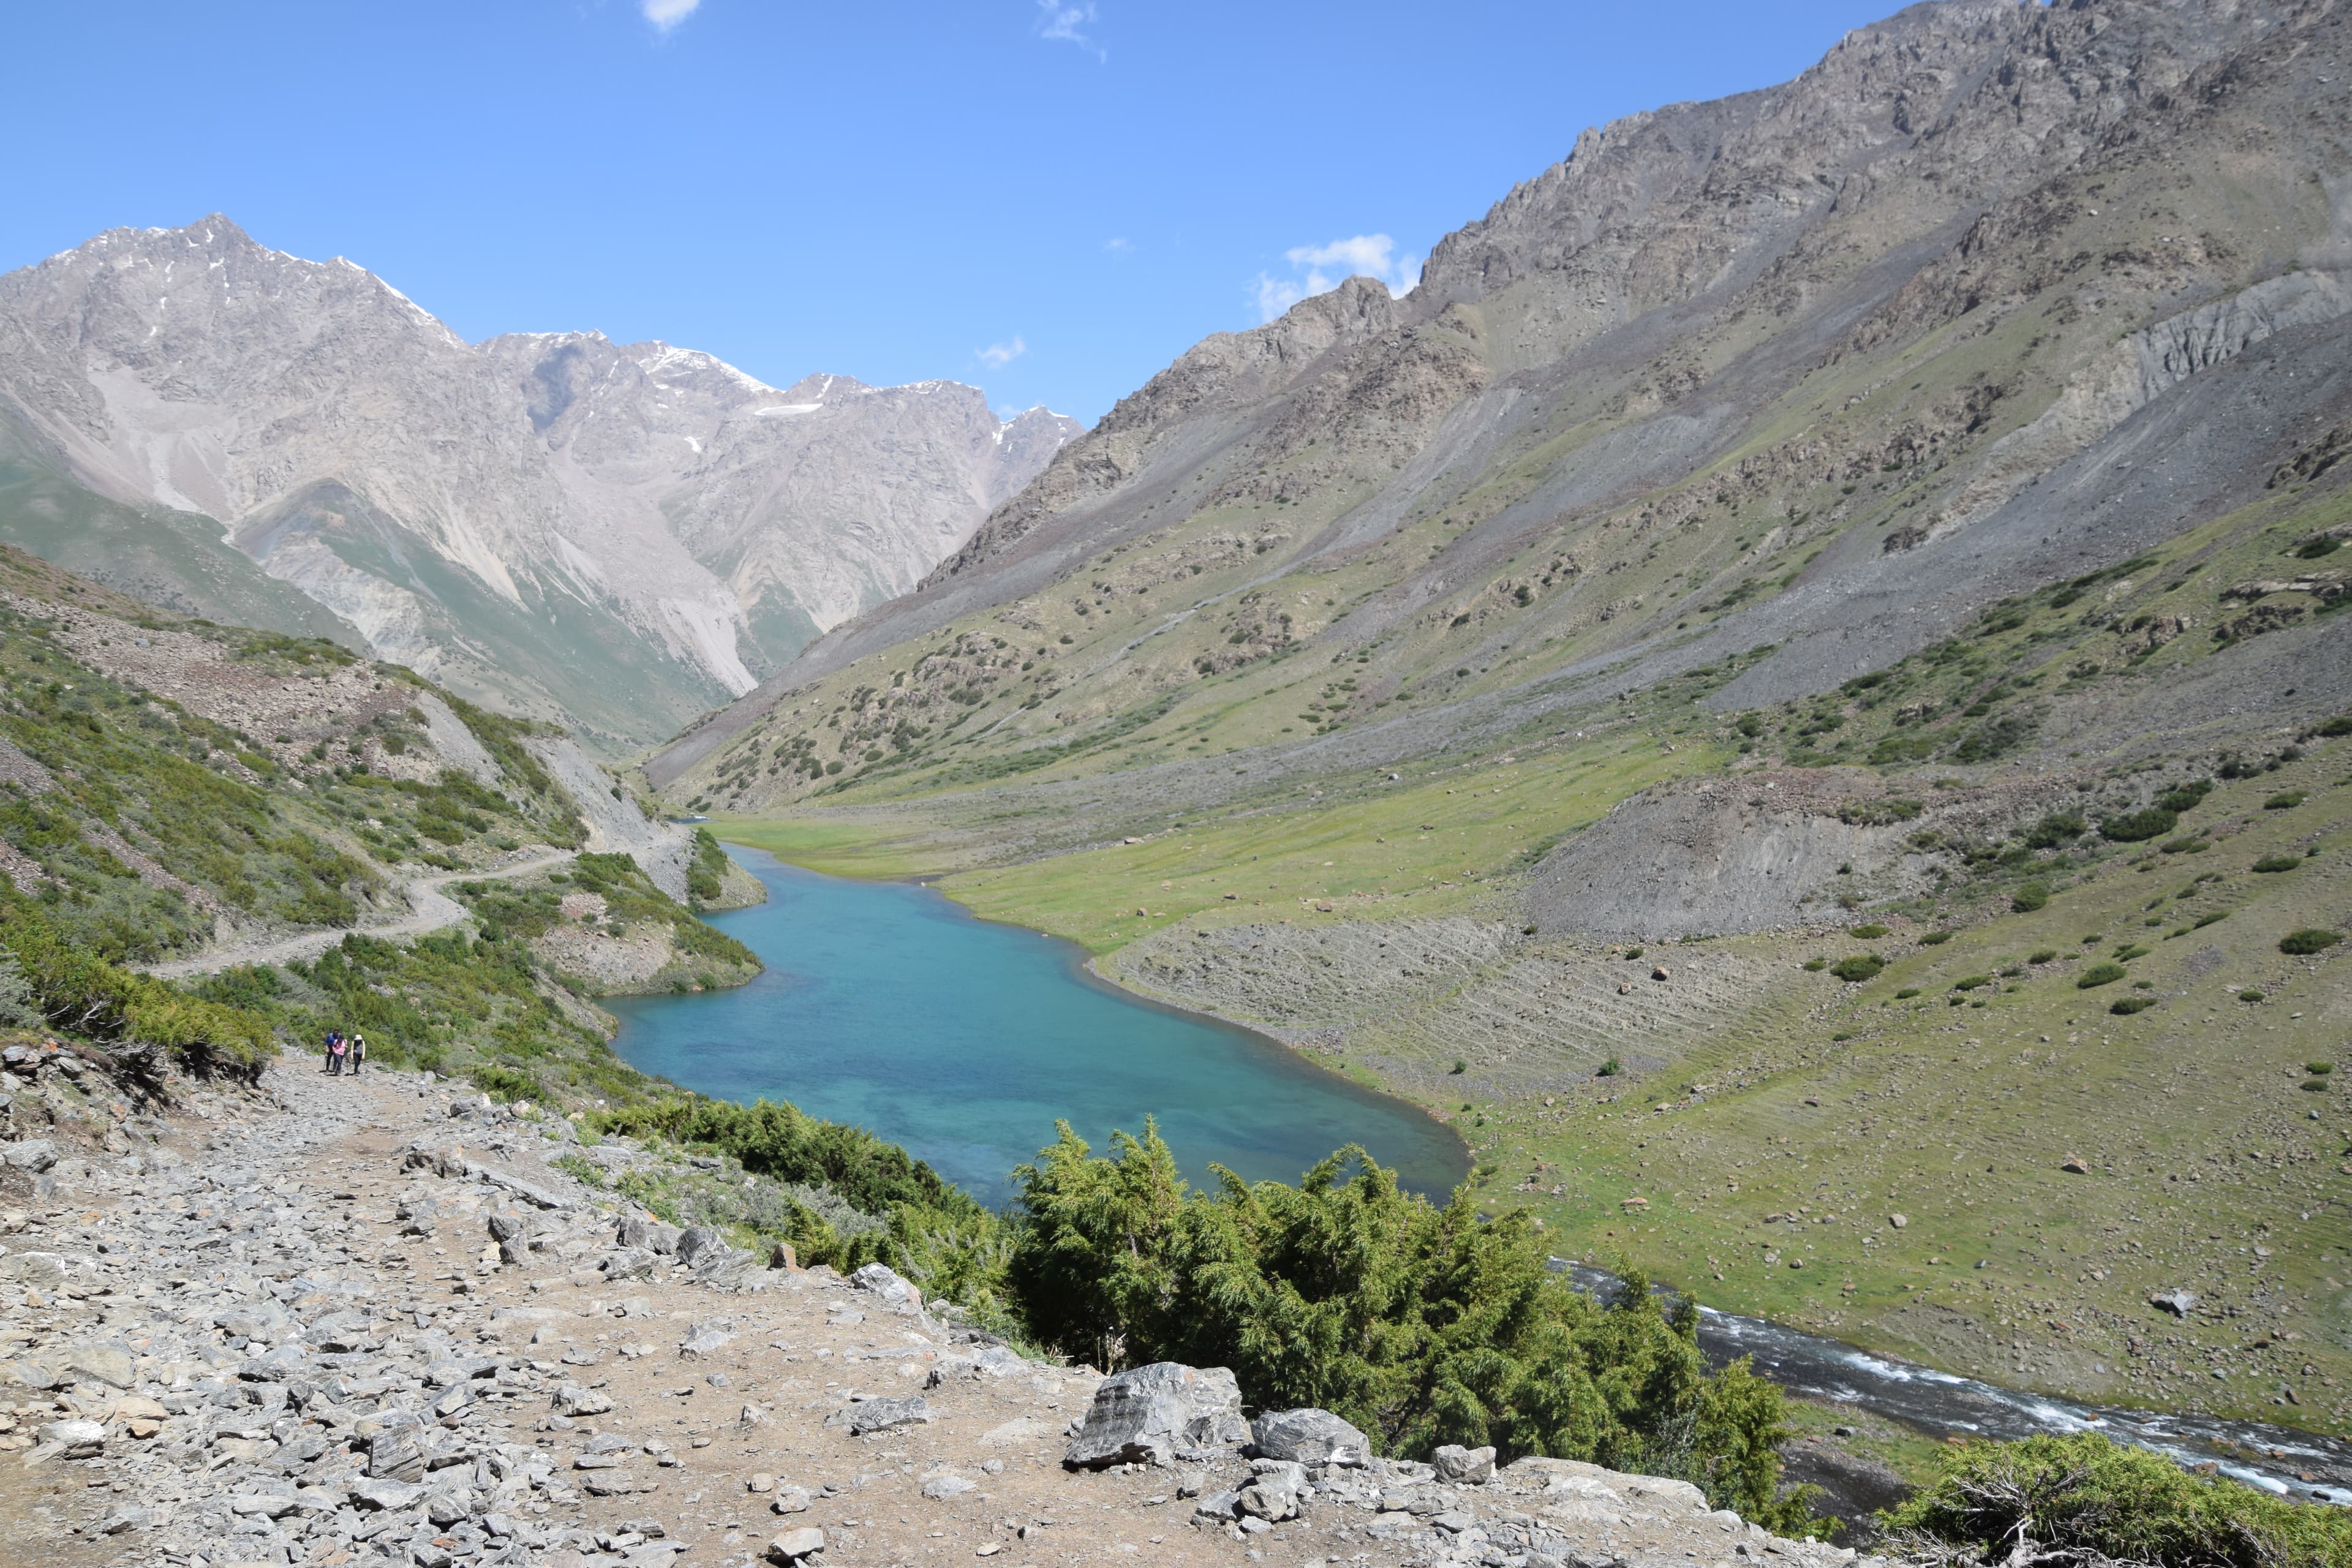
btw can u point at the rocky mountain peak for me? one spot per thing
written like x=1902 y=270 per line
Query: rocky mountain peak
x=614 y=534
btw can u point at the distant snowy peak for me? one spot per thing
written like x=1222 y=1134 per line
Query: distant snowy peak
x=504 y=514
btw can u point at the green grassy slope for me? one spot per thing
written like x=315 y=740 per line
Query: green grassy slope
x=139 y=826
x=171 y=559
x=1948 y=1106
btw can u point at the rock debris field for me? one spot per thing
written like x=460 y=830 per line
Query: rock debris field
x=1529 y=1017
x=329 y=1321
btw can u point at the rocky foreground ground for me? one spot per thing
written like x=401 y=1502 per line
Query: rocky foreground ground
x=335 y=1321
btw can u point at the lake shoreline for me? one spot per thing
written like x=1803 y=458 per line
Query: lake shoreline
x=1099 y=971
x=888 y=1005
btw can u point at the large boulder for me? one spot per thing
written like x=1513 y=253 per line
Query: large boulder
x=719 y=1267
x=1272 y=1495
x=108 y=1363
x=1458 y=1466
x=885 y=1282
x=1310 y=1437
x=575 y=1399
x=1160 y=1414
x=631 y=1263
x=71 y=1439
x=645 y=1235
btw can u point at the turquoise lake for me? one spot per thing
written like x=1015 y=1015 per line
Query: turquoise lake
x=890 y=1007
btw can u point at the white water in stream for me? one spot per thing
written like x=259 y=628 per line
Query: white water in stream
x=1942 y=1404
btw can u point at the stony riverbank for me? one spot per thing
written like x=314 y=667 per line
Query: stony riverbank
x=378 y=1321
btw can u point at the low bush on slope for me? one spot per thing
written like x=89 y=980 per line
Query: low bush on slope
x=1421 y=1323
x=75 y=991
x=2084 y=1501
x=630 y=899
x=469 y=1005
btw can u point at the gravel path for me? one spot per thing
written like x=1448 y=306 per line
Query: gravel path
x=305 y=1326
x=429 y=909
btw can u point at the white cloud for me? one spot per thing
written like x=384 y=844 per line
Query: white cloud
x=1323 y=267
x=996 y=356
x=1275 y=295
x=1067 y=24
x=667 y=13
x=1118 y=247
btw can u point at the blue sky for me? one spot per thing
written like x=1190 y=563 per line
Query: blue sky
x=1050 y=199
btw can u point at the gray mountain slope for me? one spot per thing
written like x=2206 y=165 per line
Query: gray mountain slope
x=613 y=535
x=1991 y=296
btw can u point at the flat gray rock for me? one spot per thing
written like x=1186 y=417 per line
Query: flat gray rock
x=885 y=1282
x=388 y=1496
x=1159 y=1414
x=1457 y=1466
x=880 y=1415
x=1310 y=1437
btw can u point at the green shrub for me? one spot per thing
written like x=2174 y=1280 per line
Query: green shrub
x=771 y=1138
x=2187 y=844
x=1935 y=938
x=2100 y=974
x=1866 y=932
x=2249 y=996
x=2131 y=826
x=2339 y=725
x=2182 y=797
x=1862 y=966
x=1458 y=1068
x=2056 y=829
x=1612 y=1067
x=705 y=873
x=1816 y=965
x=2204 y=920
x=76 y=991
x=2319 y=1070
x=2278 y=863
x=2029 y=898
x=2001 y=734
x=1881 y=813
x=2285 y=800
x=2314 y=1085
x=505 y=1083
x=2129 y=952
x=2309 y=940
x=2084 y=1499
x=2126 y=1005
x=1907 y=993
x=2042 y=955
x=585 y=1170
x=1972 y=982
x=1423 y=1324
